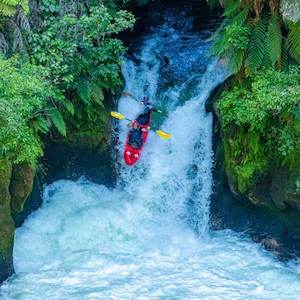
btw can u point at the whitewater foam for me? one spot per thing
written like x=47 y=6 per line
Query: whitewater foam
x=148 y=238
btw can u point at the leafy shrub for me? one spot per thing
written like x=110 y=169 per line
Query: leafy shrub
x=261 y=122
x=82 y=57
x=233 y=44
x=29 y=106
x=271 y=95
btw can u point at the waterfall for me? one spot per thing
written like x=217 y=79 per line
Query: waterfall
x=148 y=238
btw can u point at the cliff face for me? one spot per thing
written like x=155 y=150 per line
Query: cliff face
x=6 y=222
x=290 y=10
x=276 y=189
x=272 y=196
x=16 y=183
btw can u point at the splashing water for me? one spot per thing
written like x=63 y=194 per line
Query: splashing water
x=148 y=238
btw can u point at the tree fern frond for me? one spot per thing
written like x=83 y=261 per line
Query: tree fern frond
x=284 y=59
x=273 y=40
x=97 y=95
x=7 y=10
x=256 y=46
x=41 y=124
x=58 y=121
x=293 y=40
x=241 y=17
x=231 y=7
x=83 y=90
x=236 y=61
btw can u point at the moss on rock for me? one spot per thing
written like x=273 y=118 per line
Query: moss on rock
x=6 y=222
x=20 y=187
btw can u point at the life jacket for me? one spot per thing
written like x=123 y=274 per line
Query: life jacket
x=135 y=139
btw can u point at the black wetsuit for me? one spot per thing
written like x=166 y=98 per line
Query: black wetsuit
x=135 y=139
x=144 y=118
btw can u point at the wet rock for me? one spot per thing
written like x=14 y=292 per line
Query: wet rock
x=6 y=222
x=290 y=10
x=20 y=187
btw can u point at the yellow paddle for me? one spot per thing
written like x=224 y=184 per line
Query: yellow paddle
x=163 y=134
x=117 y=115
x=159 y=132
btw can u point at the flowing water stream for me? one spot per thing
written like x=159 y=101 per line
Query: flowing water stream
x=148 y=238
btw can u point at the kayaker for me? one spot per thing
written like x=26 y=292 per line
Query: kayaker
x=135 y=135
x=135 y=139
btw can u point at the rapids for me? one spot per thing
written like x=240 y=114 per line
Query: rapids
x=148 y=237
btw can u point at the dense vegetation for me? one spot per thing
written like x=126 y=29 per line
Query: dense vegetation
x=260 y=114
x=254 y=35
x=262 y=124
x=29 y=105
x=57 y=64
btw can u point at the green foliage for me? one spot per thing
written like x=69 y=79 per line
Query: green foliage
x=81 y=48
x=269 y=44
x=293 y=40
x=257 y=47
x=27 y=103
x=82 y=56
x=75 y=60
x=9 y=7
x=233 y=43
x=261 y=122
x=58 y=121
x=274 y=40
x=272 y=93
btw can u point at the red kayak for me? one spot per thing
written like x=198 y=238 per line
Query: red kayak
x=132 y=155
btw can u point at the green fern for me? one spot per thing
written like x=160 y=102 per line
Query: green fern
x=89 y=92
x=257 y=46
x=284 y=59
x=293 y=40
x=241 y=17
x=69 y=106
x=274 y=40
x=231 y=8
x=58 y=121
x=84 y=92
x=236 y=60
x=41 y=124
x=8 y=7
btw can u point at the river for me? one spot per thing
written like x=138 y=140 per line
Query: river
x=149 y=237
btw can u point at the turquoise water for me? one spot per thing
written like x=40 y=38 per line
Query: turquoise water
x=149 y=238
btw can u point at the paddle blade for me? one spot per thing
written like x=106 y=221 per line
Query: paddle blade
x=117 y=115
x=163 y=134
